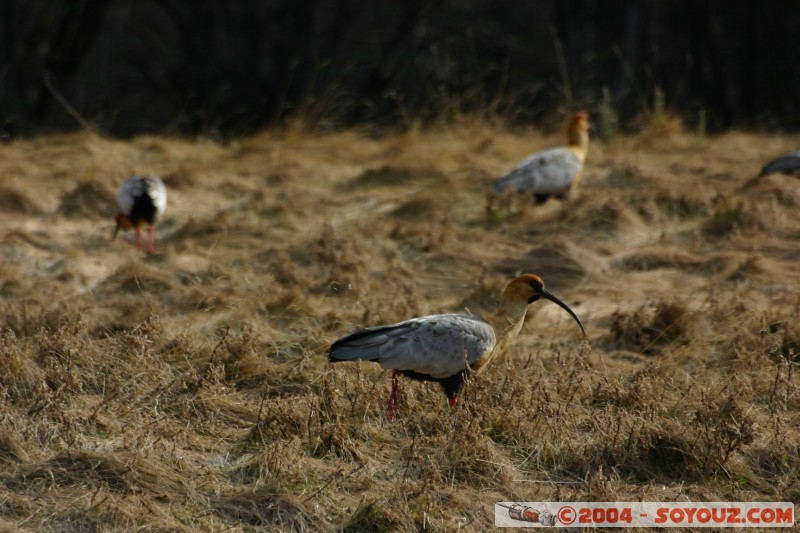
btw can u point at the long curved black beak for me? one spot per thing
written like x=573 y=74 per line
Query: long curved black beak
x=544 y=293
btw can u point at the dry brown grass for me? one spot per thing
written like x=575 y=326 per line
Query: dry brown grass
x=190 y=390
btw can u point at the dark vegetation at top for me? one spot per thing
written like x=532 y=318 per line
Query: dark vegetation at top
x=230 y=68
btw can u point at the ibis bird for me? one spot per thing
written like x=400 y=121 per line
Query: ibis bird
x=552 y=172
x=785 y=164
x=445 y=348
x=142 y=200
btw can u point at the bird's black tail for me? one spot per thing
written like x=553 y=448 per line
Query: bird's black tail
x=362 y=344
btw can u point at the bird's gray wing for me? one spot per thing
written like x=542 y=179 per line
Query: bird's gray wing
x=788 y=164
x=547 y=172
x=435 y=345
x=128 y=193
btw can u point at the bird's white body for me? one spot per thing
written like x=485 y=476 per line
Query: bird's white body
x=439 y=346
x=136 y=188
x=549 y=172
x=142 y=200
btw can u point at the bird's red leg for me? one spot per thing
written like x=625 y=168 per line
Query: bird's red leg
x=392 y=405
x=151 y=230
x=138 y=231
x=452 y=402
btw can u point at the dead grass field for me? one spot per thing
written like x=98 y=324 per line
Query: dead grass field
x=190 y=391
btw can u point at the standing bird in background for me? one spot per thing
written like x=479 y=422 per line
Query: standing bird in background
x=551 y=172
x=443 y=348
x=785 y=164
x=142 y=200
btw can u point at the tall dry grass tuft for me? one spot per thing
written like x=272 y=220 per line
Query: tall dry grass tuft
x=650 y=328
x=88 y=199
x=265 y=507
x=13 y=200
x=723 y=428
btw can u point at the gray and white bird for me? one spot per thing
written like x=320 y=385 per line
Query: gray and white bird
x=142 y=200
x=552 y=172
x=785 y=164
x=444 y=348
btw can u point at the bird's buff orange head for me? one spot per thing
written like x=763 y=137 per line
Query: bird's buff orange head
x=123 y=223
x=531 y=288
x=579 y=121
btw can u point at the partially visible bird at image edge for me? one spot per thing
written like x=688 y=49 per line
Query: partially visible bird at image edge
x=443 y=348
x=785 y=164
x=552 y=172
x=142 y=200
